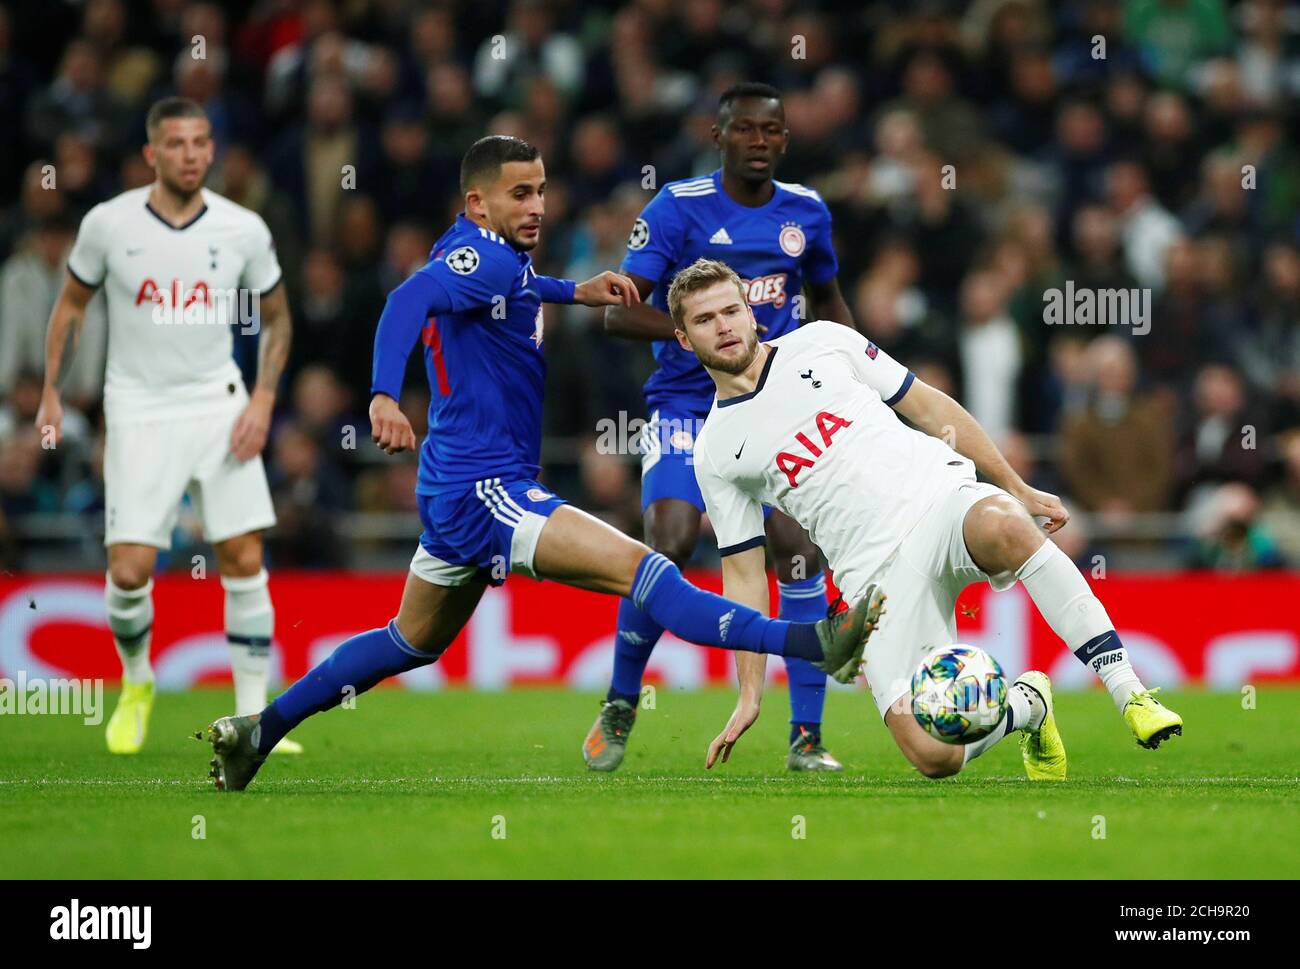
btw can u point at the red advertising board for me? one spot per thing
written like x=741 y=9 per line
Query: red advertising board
x=1186 y=628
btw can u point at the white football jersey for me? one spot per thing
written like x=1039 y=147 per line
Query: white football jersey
x=818 y=439
x=173 y=295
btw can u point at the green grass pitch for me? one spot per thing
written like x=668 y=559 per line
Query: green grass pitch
x=416 y=785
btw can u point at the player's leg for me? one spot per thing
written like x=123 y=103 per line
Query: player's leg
x=233 y=502
x=249 y=615
x=671 y=506
x=573 y=547
x=802 y=587
x=428 y=620
x=672 y=528
x=146 y=468
x=128 y=599
x=430 y=617
x=924 y=578
x=931 y=757
x=1003 y=539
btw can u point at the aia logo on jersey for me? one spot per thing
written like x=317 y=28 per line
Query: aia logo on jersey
x=175 y=295
x=872 y=350
x=765 y=289
x=792 y=240
x=790 y=463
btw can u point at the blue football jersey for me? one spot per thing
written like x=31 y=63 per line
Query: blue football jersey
x=484 y=361
x=773 y=248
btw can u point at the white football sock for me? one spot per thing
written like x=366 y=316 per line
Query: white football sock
x=1025 y=711
x=250 y=620
x=130 y=617
x=1076 y=615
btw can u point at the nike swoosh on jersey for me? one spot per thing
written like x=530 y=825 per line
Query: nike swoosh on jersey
x=742 y=447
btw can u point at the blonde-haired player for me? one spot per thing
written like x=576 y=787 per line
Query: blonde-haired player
x=807 y=424
x=180 y=266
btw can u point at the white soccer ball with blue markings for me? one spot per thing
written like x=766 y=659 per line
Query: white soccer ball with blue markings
x=959 y=694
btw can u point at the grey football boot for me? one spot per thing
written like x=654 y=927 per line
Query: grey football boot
x=235 y=760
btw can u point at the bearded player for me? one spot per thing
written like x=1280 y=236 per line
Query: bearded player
x=777 y=234
x=180 y=266
x=806 y=423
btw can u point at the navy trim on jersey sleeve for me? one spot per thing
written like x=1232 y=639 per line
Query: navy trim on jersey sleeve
x=83 y=282
x=745 y=546
x=898 y=394
x=762 y=379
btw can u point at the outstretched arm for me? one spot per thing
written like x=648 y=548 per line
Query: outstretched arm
x=938 y=415
x=61 y=340
x=744 y=580
x=605 y=289
x=639 y=321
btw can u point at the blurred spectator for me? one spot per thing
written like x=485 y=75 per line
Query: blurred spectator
x=1281 y=508
x=1220 y=438
x=989 y=345
x=130 y=70
x=1145 y=227
x=314 y=161
x=950 y=124
x=309 y=494
x=530 y=47
x=1233 y=537
x=30 y=281
x=23 y=490
x=76 y=102
x=1178 y=34
x=1269 y=352
x=241 y=177
x=1116 y=452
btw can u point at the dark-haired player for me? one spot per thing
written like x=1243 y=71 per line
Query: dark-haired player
x=477 y=308
x=777 y=236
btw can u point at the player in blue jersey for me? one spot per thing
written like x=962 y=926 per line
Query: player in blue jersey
x=477 y=308
x=777 y=237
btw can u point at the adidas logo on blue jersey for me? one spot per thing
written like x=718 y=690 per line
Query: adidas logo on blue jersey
x=720 y=238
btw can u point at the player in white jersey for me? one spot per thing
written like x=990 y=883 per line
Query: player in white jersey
x=180 y=266
x=807 y=424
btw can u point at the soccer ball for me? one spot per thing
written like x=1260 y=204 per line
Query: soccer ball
x=959 y=694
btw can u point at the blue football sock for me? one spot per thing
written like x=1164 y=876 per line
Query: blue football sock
x=813 y=731
x=710 y=620
x=357 y=665
x=633 y=644
x=804 y=601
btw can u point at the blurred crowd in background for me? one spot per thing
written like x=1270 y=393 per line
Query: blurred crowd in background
x=1159 y=159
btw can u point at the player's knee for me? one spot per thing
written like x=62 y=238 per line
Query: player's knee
x=936 y=765
x=129 y=575
x=241 y=559
x=1001 y=534
x=793 y=564
x=674 y=542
